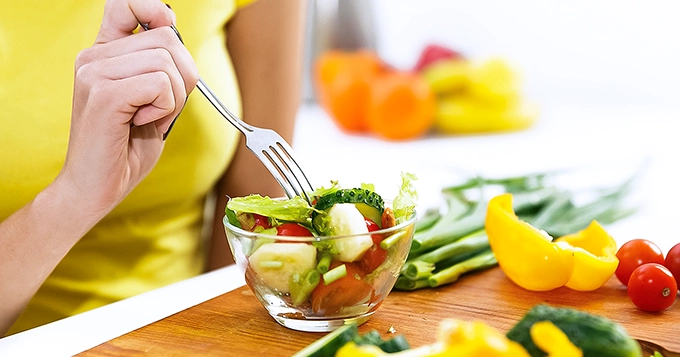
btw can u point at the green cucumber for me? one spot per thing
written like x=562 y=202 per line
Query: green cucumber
x=370 y=212
x=369 y=203
x=329 y=344
x=594 y=335
x=397 y=343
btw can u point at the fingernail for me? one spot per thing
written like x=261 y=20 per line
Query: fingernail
x=165 y=135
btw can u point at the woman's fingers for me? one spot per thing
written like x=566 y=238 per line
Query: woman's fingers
x=156 y=50
x=160 y=99
x=163 y=37
x=122 y=17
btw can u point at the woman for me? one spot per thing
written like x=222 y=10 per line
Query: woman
x=102 y=207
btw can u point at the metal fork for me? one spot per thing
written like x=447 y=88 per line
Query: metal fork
x=269 y=147
x=272 y=150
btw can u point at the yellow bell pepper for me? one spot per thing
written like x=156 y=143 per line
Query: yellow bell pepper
x=465 y=114
x=553 y=341
x=594 y=257
x=531 y=259
x=448 y=76
x=351 y=349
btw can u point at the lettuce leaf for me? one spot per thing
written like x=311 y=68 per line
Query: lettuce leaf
x=295 y=209
x=404 y=205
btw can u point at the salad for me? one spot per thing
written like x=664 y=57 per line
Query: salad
x=295 y=255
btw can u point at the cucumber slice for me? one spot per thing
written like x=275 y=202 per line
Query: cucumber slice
x=370 y=212
x=369 y=203
x=330 y=343
x=351 y=195
x=275 y=263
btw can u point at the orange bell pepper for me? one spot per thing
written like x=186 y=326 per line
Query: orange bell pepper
x=401 y=106
x=343 y=80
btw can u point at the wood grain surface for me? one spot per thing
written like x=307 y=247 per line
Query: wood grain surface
x=235 y=324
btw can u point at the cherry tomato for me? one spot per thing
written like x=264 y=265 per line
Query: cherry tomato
x=634 y=253
x=652 y=287
x=672 y=261
x=261 y=221
x=344 y=292
x=254 y=222
x=292 y=230
x=375 y=255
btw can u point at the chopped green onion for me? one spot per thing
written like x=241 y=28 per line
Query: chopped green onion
x=301 y=285
x=272 y=264
x=392 y=240
x=334 y=274
x=324 y=263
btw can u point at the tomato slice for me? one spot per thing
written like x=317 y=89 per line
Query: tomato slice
x=375 y=255
x=292 y=230
x=344 y=292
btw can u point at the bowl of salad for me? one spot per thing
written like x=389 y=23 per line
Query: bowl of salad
x=318 y=267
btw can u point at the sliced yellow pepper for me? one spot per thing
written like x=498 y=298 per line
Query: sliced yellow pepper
x=351 y=349
x=530 y=258
x=475 y=338
x=594 y=256
x=527 y=256
x=553 y=341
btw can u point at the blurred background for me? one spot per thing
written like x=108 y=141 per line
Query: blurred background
x=579 y=53
x=604 y=75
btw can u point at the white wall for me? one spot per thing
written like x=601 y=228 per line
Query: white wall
x=585 y=54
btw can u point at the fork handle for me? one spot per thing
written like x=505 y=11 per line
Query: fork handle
x=233 y=119
x=212 y=98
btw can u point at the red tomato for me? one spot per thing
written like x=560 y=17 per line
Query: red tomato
x=672 y=261
x=634 y=253
x=375 y=255
x=261 y=221
x=344 y=292
x=292 y=230
x=652 y=287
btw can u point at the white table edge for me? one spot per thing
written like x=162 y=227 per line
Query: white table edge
x=84 y=331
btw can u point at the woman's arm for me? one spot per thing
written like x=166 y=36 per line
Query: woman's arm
x=127 y=90
x=265 y=41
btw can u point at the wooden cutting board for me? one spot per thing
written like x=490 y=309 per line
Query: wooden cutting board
x=235 y=324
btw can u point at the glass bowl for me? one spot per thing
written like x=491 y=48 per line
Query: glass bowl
x=277 y=280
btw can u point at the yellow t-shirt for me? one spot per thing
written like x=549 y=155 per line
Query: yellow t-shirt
x=153 y=237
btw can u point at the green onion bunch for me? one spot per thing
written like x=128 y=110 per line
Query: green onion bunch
x=451 y=241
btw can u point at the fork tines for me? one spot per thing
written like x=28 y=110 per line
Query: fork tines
x=279 y=160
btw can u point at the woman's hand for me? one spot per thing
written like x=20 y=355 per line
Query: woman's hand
x=128 y=89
